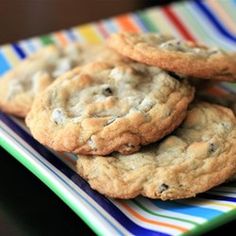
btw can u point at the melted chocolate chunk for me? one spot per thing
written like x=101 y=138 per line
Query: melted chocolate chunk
x=176 y=76
x=107 y=92
x=212 y=147
x=163 y=188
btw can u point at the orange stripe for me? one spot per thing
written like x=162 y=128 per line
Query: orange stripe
x=217 y=91
x=154 y=222
x=126 y=23
x=61 y=38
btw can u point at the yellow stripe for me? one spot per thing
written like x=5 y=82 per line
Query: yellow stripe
x=89 y=33
x=10 y=54
x=221 y=204
x=206 y=203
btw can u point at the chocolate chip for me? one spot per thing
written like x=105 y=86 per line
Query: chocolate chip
x=212 y=147
x=163 y=188
x=107 y=91
x=225 y=126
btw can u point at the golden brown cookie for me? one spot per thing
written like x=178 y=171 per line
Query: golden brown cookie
x=171 y=54
x=104 y=107
x=19 y=87
x=199 y=155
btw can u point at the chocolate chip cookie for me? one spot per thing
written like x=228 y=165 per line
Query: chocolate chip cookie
x=19 y=87
x=103 y=107
x=199 y=155
x=171 y=54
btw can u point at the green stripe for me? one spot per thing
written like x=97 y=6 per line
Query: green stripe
x=230 y=85
x=60 y=193
x=212 y=224
x=46 y=39
x=161 y=215
x=144 y=17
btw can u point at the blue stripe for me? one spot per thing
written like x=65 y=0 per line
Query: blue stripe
x=214 y=20
x=110 y=25
x=4 y=65
x=206 y=213
x=101 y=200
x=70 y=34
x=140 y=22
x=19 y=51
x=48 y=155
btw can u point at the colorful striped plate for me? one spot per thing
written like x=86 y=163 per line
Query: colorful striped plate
x=212 y=22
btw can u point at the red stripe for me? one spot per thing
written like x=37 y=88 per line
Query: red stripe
x=102 y=29
x=178 y=24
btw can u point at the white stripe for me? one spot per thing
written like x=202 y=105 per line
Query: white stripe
x=148 y=203
x=65 y=189
x=24 y=47
x=30 y=41
x=37 y=43
x=76 y=32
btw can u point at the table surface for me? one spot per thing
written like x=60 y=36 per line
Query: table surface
x=27 y=206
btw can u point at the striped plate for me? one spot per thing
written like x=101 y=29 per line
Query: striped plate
x=212 y=22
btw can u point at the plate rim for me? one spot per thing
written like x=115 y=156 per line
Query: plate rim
x=203 y=228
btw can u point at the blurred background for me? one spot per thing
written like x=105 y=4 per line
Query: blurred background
x=26 y=18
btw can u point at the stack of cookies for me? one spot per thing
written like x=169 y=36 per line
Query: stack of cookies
x=127 y=109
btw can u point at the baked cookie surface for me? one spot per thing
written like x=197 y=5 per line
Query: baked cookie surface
x=185 y=58
x=104 y=107
x=19 y=86
x=199 y=155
